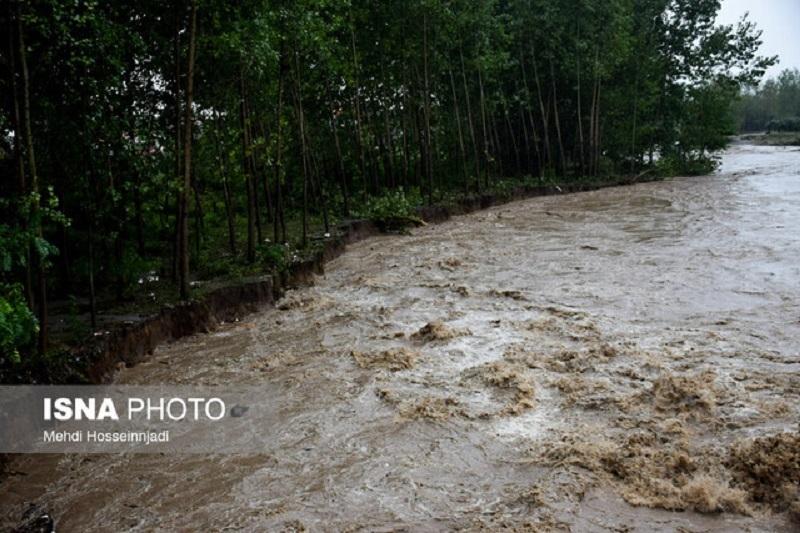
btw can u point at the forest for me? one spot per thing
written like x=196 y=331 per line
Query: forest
x=148 y=146
x=772 y=106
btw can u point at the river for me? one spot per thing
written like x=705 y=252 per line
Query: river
x=583 y=362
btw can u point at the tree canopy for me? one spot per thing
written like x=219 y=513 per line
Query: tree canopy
x=774 y=105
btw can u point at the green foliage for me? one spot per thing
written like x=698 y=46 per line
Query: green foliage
x=773 y=106
x=308 y=111
x=393 y=210
x=77 y=328
x=784 y=124
x=18 y=326
x=273 y=257
x=681 y=164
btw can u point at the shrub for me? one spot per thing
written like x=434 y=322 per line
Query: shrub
x=677 y=165
x=784 y=124
x=393 y=210
x=273 y=256
x=18 y=325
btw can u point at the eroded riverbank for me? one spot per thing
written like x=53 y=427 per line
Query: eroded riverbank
x=544 y=363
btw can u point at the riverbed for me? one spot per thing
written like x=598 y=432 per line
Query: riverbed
x=601 y=361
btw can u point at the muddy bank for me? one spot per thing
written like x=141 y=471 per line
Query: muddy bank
x=128 y=343
x=621 y=360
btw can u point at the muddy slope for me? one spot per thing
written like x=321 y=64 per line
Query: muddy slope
x=623 y=359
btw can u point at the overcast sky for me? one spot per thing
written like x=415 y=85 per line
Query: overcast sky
x=778 y=19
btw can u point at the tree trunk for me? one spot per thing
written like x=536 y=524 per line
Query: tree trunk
x=187 y=158
x=581 y=141
x=562 y=157
x=512 y=137
x=357 y=106
x=19 y=164
x=427 y=108
x=41 y=282
x=461 y=147
x=545 y=125
x=198 y=216
x=250 y=161
x=317 y=182
x=534 y=136
x=303 y=148
x=265 y=175
x=340 y=165
x=634 y=156
x=92 y=294
x=246 y=169
x=470 y=122
x=406 y=153
x=597 y=131
x=178 y=143
x=226 y=189
x=486 y=152
x=139 y=216
x=389 y=157
x=279 y=219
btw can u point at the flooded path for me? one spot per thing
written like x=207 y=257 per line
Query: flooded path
x=581 y=362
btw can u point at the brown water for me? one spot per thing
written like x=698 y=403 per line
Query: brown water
x=594 y=360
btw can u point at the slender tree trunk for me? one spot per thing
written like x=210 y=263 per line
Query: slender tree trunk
x=279 y=220
x=597 y=130
x=494 y=136
x=187 y=157
x=41 y=282
x=389 y=158
x=470 y=123
x=427 y=108
x=545 y=125
x=461 y=147
x=226 y=189
x=198 y=216
x=92 y=293
x=65 y=255
x=512 y=137
x=246 y=169
x=562 y=157
x=594 y=125
x=579 y=98
x=304 y=152
x=523 y=121
x=357 y=106
x=340 y=165
x=634 y=156
x=178 y=142
x=486 y=153
x=319 y=188
x=19 y=163
x=534 y=136
x=406 y=150
x=139 y=216
x=372 y=163
x=250 y=162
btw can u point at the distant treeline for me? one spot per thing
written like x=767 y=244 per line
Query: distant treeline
x=773 y=106
x=190 y=137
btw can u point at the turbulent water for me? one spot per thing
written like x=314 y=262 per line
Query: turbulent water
x=596 y=361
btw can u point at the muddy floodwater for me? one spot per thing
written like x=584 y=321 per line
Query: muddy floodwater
x=620 y=360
